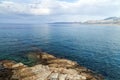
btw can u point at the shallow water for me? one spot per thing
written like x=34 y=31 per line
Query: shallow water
x=94 y=46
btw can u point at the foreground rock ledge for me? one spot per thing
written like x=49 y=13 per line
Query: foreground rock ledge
x=48 y=67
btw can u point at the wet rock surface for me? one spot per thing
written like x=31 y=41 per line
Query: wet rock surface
x=47 y=67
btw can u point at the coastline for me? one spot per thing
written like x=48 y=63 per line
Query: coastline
x=101 y=24
x=47 y=67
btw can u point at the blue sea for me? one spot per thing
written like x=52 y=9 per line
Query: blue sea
x=96 y=47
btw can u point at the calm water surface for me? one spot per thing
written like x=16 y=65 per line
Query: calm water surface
x=94 y=46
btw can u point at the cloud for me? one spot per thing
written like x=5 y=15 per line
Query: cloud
x=40 y=11
x=61 y=7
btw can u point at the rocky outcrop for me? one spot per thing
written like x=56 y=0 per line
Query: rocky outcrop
x=47 y=67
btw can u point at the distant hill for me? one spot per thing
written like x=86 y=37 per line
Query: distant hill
x=113 y=18
x=110 y=20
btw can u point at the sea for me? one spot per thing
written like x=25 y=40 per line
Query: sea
x=96 y=47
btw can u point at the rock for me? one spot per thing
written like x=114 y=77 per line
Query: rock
x=6 y=74
x=17 y=65
x=62 y=76
x=53 y=76
x=47 y=67
x=61 y=63
x=43 y=75
x=7 y=63
x=69 y=77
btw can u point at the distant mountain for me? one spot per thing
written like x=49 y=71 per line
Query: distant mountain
x=110 y=20
x=113 y=18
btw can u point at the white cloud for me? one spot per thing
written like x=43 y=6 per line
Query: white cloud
x=40 y=11
x=58 y=7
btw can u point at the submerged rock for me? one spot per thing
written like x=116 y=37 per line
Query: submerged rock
x=47 y=67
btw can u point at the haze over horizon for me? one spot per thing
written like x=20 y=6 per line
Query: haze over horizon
x=45 y=11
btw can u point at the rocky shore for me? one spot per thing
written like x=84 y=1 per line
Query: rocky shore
x=47 y=67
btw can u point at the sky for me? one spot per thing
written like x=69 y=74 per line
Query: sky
x=47 y=11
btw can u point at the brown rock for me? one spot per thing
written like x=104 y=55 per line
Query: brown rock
x=47 y=67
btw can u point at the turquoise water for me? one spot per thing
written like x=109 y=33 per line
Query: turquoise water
x=94 y=46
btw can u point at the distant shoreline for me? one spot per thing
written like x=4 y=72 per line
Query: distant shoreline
x=86 y=23
x=103 y=24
